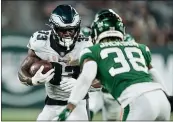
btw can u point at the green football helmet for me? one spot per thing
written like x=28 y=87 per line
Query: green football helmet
x=128 y=38
x=86 y=31
x=107 y=23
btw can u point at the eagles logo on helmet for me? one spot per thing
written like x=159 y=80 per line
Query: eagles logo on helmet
x=65 y=24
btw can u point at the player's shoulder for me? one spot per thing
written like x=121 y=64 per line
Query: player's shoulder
x=92 y=49
x=84 y=41
x=144 y=47
x=39 y=39
x=41 y=34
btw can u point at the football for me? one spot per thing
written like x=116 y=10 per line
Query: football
x=36 y=66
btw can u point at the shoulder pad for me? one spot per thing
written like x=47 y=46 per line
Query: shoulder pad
x=83 y=43
x=144 y=47
x=38 y=39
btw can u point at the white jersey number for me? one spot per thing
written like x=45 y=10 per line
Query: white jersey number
x=135 y=61
x=42 y=35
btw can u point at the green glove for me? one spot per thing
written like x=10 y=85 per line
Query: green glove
x=64 y=114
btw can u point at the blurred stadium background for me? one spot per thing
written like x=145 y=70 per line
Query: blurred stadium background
x=150 y=22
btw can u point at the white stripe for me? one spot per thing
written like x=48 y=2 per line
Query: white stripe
x=59 y=21
x=109 y=34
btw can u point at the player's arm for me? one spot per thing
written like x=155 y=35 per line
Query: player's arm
x=81 y=88
x=23 y=73
x=157 y=78
x=39 y=78
x=153 y=71
x=83 y=83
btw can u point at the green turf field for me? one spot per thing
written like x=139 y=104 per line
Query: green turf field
x=29 y=114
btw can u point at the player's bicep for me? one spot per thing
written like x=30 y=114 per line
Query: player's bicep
x=86 y=60
x=23 y=73
x=26 y=64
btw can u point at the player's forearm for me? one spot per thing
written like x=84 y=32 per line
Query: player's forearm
x=23 y=73
x=84 y=82
x=24 y=77
x=158 y=79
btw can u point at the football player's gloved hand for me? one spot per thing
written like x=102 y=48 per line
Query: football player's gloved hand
x=67 y=84
x=64 y=114
x=40 y=78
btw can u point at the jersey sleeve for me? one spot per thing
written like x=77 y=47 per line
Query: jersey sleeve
x=147 y=54
x=86 y=53
x=35 y=43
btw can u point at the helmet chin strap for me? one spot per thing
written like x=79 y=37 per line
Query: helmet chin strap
x=67 y=42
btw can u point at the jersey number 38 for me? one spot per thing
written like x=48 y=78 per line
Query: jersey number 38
x=125 y=66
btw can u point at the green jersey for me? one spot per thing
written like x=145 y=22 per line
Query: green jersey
x=120 y=64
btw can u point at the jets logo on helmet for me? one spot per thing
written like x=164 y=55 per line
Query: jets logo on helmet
x=107 y=24
x=65 y=24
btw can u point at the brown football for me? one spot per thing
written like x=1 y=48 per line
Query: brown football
x=36 y=66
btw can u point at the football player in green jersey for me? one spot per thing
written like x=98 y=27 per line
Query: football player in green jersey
x=123 y=69
x=111 y=110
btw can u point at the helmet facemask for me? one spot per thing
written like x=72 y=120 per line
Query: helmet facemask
x=66 y=37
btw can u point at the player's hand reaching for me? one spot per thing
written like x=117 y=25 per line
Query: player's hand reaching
x=67 y=84
x=64 y=114
x=40 y=78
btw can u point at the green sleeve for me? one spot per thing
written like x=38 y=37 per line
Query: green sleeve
x=147 y=54
x=86 y=54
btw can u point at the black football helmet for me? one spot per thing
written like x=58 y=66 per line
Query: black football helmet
x=65 y=24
